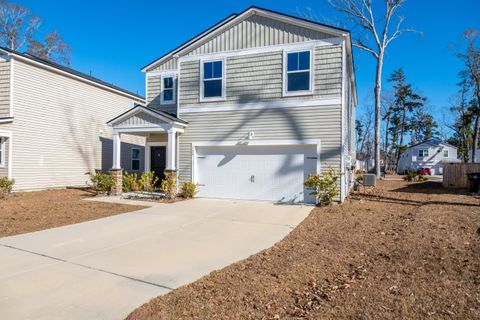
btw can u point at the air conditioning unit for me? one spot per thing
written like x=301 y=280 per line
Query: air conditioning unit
x=369 y=180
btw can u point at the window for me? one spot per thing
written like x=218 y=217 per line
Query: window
x=298 y=73
x=212 y=81
x=445 y=153
x=168 y=90
x=135 y=159
x=2 y=152
x=423 y=153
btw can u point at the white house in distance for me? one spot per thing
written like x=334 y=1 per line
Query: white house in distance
x=427 y=154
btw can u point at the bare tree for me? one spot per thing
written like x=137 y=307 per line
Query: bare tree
x=360 y=13
x=471 y=59
x=54 y=48
x=17 y=25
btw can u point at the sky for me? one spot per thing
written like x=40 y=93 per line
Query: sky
x=114 y=39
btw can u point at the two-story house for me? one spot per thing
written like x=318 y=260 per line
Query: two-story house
x=429 y=154
x=248 y=109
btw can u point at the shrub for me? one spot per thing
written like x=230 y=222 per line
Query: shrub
x=148 y=181
x=189 y=189
x=101 y=183
x=324 y=186
x=413 y=176
x=169 y=185
x=6 y=186
x=129 y=182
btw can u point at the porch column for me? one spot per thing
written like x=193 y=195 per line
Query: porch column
x=116 y=150
x=171 y=150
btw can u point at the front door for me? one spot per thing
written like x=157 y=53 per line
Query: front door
x=158 y=161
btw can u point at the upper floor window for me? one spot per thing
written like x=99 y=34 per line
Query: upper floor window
x=423 y=153
x=135 y=159
x=298 y=72
x=212 y=80
x=168 y=90
x=445 y=153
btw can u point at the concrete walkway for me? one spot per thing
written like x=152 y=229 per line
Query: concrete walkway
x=104 y=269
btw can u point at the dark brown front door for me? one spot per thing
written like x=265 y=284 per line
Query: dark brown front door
x=158 y=161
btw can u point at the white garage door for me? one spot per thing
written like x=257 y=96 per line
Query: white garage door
x=274 y=173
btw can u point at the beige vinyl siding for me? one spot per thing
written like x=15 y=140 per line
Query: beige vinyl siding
x=4 y=156
x=259 y=77
x=299 y=123
x=60 y=129
x=4 y=89
x=253 y=32
x=140 y=119
x=153 y=95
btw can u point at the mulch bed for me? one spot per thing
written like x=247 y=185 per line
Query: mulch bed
x=405 y=251
x=32 y=211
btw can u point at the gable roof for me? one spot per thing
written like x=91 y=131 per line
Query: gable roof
x=157 y=114
x=237 y=18
x=70 y=71
x=432 y=142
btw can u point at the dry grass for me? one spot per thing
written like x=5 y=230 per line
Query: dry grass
x=409 y=251
x=32 y=211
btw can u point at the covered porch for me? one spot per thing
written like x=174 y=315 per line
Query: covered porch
x=160 y=130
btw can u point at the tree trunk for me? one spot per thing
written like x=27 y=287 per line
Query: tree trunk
x=378 y=92
x=477 y=123
x=387 y=123
x=402 y=133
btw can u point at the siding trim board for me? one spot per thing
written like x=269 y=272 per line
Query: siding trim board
x=263 y=105
x=307 y=45
x=9 y=135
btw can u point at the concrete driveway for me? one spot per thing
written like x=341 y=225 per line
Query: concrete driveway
x=104 y=269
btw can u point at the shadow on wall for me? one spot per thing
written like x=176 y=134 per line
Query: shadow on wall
x=125 y=161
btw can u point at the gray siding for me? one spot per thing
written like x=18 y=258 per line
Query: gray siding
x=126 y=157
x=60 y=129
x=4 y=167
x=257 y=78
x=153 y=96
x=140 y=119
x=255 y=31
x=317 y=122
x=4 y=89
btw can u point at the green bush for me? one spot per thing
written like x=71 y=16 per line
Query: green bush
x=129 y=182
x=6 y=186
x=189 y=189
x=413 y=176
x=102 y=183
x=148 y=181
x=169 y=185
x=324 y=186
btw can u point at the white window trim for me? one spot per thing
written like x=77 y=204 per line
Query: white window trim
x=174 y=88
x=224 y=82
x=131 y=159
x=2 y=152
x=423 y=153
x=285 y=72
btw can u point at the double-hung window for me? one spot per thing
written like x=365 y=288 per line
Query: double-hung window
x=445 y=153
x=423 y=153
x=2 y=152
x=135 y=159
x=168 y=90
x=212 y=80
x=298 y=73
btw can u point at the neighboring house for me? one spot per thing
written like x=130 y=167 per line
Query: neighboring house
x=249 y=108
x=428 y=154
x=477 y=158
x=53 y=122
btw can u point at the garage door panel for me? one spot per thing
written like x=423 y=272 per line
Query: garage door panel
x=274 y=173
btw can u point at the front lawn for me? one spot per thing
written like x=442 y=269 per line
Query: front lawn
x=32 y=211
x=409 y=251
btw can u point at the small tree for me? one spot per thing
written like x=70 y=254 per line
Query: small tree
x=324 y=186
x=169 y=185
